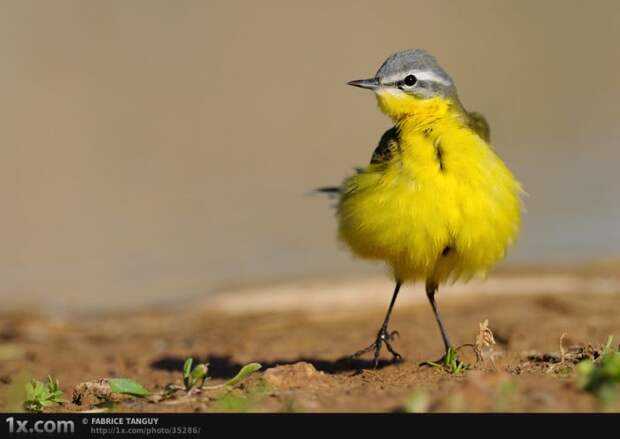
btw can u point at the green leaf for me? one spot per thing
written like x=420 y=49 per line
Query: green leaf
x=127 y=386
x=39 y=389
x=191 y=377
x=30 y=386
x=187 y=367
x=245 y=371
x=199 y=373
x=433 y=364
x=53 y=390
x=52 y=386
x=601 y=377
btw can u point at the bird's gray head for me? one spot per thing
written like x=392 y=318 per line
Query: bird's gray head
x=414 y=72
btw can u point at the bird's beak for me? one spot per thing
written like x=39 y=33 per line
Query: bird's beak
x=370 y=84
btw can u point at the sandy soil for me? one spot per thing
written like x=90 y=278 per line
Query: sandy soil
x=304 y=340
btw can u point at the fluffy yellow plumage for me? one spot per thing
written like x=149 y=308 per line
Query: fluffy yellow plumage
x=442 y=206
x=435 y=203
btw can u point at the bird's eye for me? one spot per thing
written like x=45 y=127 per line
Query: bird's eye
x=410 y=80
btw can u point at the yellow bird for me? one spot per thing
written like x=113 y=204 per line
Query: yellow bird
x=436 y=202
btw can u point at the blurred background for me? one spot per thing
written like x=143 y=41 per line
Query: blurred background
x=155 y=151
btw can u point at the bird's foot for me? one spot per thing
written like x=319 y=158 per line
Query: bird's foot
x=383 y=337
x=449 y=362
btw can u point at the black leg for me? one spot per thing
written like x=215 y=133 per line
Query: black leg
x=384 y=336
x=431 y=289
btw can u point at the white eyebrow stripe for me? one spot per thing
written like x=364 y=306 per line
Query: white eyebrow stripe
x=421 y=75
x=431 y=76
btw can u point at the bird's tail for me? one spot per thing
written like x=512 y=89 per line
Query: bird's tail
x=330 y=191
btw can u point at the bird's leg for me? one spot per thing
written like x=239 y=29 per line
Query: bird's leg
x=383 y=336
x=450 y=354
x=431 y=289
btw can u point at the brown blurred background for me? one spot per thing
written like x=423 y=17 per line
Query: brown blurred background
x=154 y=151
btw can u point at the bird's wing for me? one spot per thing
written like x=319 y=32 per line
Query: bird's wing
x=387 y=147
x=479 y=124
x=383 y=153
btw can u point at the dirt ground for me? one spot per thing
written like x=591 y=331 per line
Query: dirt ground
x=304 y=355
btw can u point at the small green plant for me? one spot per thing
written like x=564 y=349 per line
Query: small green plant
x=245 y=372
x=450 y=363
x=192 y=377
x=601 y=376
x=40 y=395
x=195 y=378
x=128 y=387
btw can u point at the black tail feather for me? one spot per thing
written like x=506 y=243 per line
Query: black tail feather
x=330 y=191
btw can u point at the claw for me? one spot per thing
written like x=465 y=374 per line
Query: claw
x=383 y=337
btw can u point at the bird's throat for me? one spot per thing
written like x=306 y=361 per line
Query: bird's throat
x=407 y=110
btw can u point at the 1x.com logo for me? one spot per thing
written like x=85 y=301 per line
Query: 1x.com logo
x=40 y=426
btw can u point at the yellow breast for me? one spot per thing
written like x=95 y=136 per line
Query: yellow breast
x=444 y=206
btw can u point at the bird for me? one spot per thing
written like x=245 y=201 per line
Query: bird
x=436 y=203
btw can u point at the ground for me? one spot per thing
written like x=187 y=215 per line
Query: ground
x=303 y=351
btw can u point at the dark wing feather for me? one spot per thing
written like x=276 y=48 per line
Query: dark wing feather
x=387 y=148
x=479 y=124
